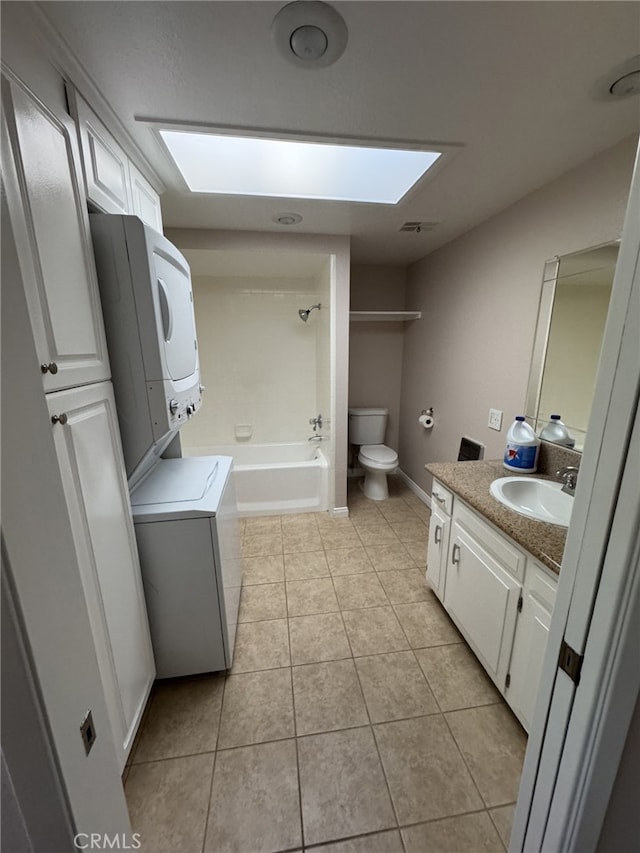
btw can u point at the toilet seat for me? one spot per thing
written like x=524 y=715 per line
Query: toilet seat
x=378 y=456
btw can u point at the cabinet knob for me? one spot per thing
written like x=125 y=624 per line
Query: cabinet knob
x=52 y=367
x=59 y=419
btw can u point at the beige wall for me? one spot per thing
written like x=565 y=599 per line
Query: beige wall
x=479 y=297
x=375 y=349
x=338 y=248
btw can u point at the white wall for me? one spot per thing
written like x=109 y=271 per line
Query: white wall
x=479 y=297
x=338 y=247
x=375 y=349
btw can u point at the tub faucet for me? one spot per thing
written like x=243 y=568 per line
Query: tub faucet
x=569 y=476
x=316 y=422
x=317 y=437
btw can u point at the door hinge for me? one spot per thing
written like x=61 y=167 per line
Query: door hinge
x=520 y=605
x=570 y=661
x=507 y=681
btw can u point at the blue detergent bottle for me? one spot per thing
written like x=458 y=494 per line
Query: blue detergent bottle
x=521 y=452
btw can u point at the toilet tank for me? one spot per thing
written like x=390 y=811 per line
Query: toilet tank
x=367 y=426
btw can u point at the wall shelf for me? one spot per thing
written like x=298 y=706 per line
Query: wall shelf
x=383 y=316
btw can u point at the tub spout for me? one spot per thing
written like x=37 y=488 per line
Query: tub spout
x=317 y=437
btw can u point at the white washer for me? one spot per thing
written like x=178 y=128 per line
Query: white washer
x=186 y=524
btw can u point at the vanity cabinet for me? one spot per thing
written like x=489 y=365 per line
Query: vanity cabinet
x=500 y=598
x=439 y=530
x=113 y=184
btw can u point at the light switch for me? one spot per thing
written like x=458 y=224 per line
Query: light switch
x=495 y=419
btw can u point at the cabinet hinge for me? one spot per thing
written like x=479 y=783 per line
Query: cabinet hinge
x=507 y=681
x=570 y=661
x=520 y=605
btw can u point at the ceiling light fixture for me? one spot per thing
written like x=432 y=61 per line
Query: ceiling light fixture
x=287 y=218
x=309 y=34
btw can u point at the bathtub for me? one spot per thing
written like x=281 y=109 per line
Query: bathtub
x=272 y=479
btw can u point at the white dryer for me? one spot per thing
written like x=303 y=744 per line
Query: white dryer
x=188 y=534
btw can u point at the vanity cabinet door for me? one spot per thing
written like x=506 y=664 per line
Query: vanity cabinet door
x=482 y=598
x=439 y=527
x=40 y=171
x=530 y=643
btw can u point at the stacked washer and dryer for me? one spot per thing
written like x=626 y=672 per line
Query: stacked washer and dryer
x=184 y=509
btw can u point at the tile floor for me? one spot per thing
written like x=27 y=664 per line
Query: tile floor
x=354 y=720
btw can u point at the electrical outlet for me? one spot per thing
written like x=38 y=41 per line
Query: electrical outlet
x=495 y=419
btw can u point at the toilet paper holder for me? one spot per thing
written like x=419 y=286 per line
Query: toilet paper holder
x=428 y=412
x=426 y=419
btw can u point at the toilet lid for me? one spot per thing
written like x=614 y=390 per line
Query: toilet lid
x=379 y=453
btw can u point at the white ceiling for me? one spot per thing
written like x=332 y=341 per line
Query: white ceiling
x=511 y=82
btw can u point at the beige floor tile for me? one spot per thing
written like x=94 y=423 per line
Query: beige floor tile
x=378 y=842
x=503 y=820
x=374 y=630
x=326 y=521
x=365 y=515
x=456 y=677
x=311 y=596
x=426 y=624
x=310 y=564
x=405 y=586
x=299 y=520
x=296 y=540
x=493 y=744
x=266 y=569
x=339 y=537
x=394 y=687
x=418 y=552
x=262 y=544
x=261 y=645
x=411 y=531
x=469 y=833
x=377 y=534
x=262 y=601
x=168 y=803
x=182 y=719
x=342 y=786
x=257 y=706
x=426 y=775
x=422 y=511
x=327 y=697
x=262 y=524
x=390 y=557
x=397 y=511
x=318 y=638
x=364 y=590
x=254 y=800
x=349 y=561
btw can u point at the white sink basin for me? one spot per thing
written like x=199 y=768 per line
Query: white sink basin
x=543 y=500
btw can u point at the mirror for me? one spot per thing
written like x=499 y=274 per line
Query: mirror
x=573 y=309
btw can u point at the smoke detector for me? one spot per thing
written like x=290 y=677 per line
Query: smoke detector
x=287 y=218
x=309 y=34
x=621 y=82
x=417 y=227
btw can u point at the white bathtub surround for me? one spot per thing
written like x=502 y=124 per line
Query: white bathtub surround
x=276 y=478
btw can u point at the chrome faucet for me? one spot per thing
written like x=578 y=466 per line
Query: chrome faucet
x=316 y=422
x=569 y=476
x=317 y=437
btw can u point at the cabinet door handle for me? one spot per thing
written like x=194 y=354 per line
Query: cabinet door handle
x=437 y=539
x=455 y=554
x=59 y=419
x=440 y=500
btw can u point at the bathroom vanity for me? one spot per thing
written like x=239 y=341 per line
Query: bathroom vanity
x=496 y=574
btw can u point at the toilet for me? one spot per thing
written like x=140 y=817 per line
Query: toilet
x=366 y=429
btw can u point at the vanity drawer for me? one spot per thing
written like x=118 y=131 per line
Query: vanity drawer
x=441 y=497
x=509 y=557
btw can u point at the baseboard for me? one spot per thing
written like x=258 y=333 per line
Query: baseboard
x=415 y=488
x=339 y=512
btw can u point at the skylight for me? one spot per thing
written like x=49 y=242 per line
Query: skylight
x=285 y=168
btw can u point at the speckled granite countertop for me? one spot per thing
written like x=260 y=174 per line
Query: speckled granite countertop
x=470 y=481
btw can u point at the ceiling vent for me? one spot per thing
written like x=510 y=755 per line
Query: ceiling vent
x=418 y=227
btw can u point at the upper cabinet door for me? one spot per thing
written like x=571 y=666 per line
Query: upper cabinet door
x=40 y=165
x=146 y=201
x=106 y=166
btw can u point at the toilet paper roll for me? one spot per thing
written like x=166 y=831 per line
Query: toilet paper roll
x=426 y=421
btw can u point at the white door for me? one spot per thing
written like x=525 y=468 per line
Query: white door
x=87 y=441
x=439 y=525
x=482 y=598
x=40 y=165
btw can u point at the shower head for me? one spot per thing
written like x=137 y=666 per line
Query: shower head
x=303 y=313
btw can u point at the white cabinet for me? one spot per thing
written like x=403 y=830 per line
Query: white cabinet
x=113 y=184
x=538 y=598
x=438 y=547
x=48 y=213
x=87 y=442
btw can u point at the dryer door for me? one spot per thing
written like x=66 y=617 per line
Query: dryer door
x=177 y=329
